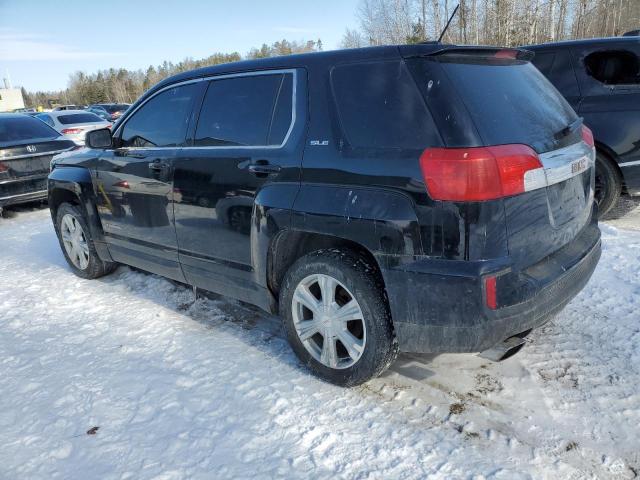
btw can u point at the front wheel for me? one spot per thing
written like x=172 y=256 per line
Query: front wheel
x=77 y=245
x=336 y=317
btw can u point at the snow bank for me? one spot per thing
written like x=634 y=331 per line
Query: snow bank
x=210 y=389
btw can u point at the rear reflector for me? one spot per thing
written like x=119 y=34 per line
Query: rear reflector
x=587 y=136
x=67 y=131
x=491 y=296
x=481 y=173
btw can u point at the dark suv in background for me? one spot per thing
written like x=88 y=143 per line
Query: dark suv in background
x=424 y=198
x=600 y=78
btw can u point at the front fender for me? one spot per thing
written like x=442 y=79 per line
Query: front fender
x=76 y=182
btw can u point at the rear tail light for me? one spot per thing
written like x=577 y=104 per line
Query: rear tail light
x=481 y=173
x=587 y=136
x=490 y=292
x=3 y=167
x=67 y=131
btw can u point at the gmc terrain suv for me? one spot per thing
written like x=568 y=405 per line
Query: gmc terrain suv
x=423 y=198
x=600 y=78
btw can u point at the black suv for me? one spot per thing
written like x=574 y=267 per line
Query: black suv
x=422 y=198
x=600 y=78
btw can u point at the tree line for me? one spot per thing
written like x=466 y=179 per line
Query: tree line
x=382 y=22
x=490 y=22
x=120 y=85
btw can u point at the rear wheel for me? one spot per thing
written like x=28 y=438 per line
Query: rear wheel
x=336 y=317
x=608 y=185
x=77 y=245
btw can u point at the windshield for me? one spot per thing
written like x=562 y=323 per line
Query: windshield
x=16 y=129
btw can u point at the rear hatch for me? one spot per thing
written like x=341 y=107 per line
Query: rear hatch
x=490 y=97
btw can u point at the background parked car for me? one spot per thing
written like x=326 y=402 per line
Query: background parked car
x=26 y=148
x=115 y=110
x=68 y=107
x=99 y=111
x=73 y=123
x=600 y=78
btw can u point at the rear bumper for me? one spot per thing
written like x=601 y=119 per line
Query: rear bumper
x=25 y=190
x=440 y=308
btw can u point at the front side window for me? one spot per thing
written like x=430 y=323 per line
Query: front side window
x=254 y=110
x=162 y=121
x=614 y=67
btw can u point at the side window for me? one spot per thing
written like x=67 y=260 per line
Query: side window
x=162 y=121
x=557 y=67
x=614 y=67
x=255 y=110
x=380 y=106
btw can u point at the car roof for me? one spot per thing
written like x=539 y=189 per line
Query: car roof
x=583 y=42
x=59 y=113
x=299 y=61
x=5 y=115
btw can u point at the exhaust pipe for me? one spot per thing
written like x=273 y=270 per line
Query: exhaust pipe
x=503 y=350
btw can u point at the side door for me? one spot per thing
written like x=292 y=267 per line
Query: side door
x=610 y=79
x=134 y=182
x=243 y=141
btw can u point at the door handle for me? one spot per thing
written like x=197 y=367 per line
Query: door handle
x=263 y=168
x=158 y=166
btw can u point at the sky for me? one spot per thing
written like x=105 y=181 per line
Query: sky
x=43 y=42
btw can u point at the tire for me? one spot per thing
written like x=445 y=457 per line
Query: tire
x=92 y=266
x=608 y=185
x=373 y=346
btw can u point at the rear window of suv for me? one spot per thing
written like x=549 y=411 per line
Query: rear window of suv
x=509 y=101
x=380 y=106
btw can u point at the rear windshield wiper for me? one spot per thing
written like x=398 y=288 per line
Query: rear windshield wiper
x=568 y=129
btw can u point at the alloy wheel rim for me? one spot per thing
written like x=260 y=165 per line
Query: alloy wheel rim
x=74 y=241
x=328 y=321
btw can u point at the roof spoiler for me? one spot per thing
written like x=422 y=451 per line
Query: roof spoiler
x=632 y=33
x=468 y=51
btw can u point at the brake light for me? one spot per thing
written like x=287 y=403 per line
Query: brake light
x=67 y=131
x=3 y=167
x=481 y=173
x=512 y=54
x=587 y=136
x=491 y=296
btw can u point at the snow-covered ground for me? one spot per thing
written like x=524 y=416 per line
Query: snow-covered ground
x=129 y=377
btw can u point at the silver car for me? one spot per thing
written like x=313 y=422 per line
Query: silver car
x=74 y=124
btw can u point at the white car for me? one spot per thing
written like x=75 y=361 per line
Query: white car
x=74 y=124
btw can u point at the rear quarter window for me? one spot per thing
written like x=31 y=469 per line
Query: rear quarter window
x=380 y=106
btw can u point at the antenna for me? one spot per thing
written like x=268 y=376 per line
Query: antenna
x=455 y=10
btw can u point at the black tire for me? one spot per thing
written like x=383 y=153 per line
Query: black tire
x=96 y=267
x=362 y=280
x=608 y=185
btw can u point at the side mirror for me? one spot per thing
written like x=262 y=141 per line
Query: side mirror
x=100 y=138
